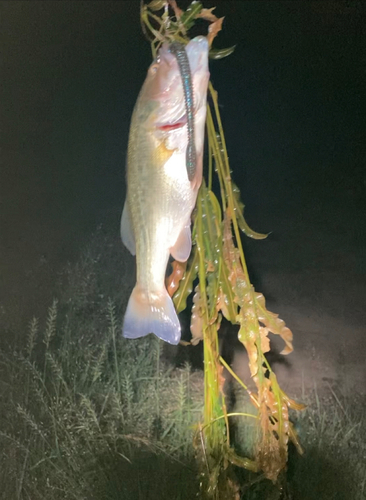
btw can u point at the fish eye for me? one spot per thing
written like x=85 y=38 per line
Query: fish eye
x=154 y=67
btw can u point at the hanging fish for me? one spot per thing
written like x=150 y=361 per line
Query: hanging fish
x=164 y=173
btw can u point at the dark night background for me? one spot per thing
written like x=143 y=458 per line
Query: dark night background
x=293 y=104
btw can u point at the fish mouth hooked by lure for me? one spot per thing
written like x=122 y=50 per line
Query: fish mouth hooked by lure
x=164 y=173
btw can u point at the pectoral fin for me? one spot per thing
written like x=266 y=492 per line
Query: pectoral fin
x=128 y=238
x=183 y=246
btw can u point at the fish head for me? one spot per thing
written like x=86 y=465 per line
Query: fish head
x=163 y=88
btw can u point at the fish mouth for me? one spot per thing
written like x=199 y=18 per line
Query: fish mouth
x=196 y=49
x=175 y=116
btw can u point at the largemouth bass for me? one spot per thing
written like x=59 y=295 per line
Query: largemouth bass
x=164 y=173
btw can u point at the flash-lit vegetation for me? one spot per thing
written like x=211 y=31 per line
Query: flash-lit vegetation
x=83 y=420
x=88 y=414
x=224 y=290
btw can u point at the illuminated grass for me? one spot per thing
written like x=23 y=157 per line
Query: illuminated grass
x=68 y=432
x=88 y=414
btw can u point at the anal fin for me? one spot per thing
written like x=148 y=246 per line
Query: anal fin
x=182 y=248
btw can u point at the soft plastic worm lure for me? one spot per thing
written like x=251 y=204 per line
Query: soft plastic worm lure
x=178 y=50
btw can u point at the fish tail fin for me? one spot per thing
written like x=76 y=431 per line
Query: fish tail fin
x=145 y=315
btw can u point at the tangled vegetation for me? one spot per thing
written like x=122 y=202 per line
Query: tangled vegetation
x=224 y=290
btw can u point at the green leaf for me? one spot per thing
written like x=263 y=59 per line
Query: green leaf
x=186 y=283
x=212 y=237
x=221 y=53
x=239 y=212
x=229 y=296
x=156 y=4
x=210 y=224
x=188 y=17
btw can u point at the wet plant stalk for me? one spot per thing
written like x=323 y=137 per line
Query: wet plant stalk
x=224 y=289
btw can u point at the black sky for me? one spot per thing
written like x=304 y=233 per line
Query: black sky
x=292 y=100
